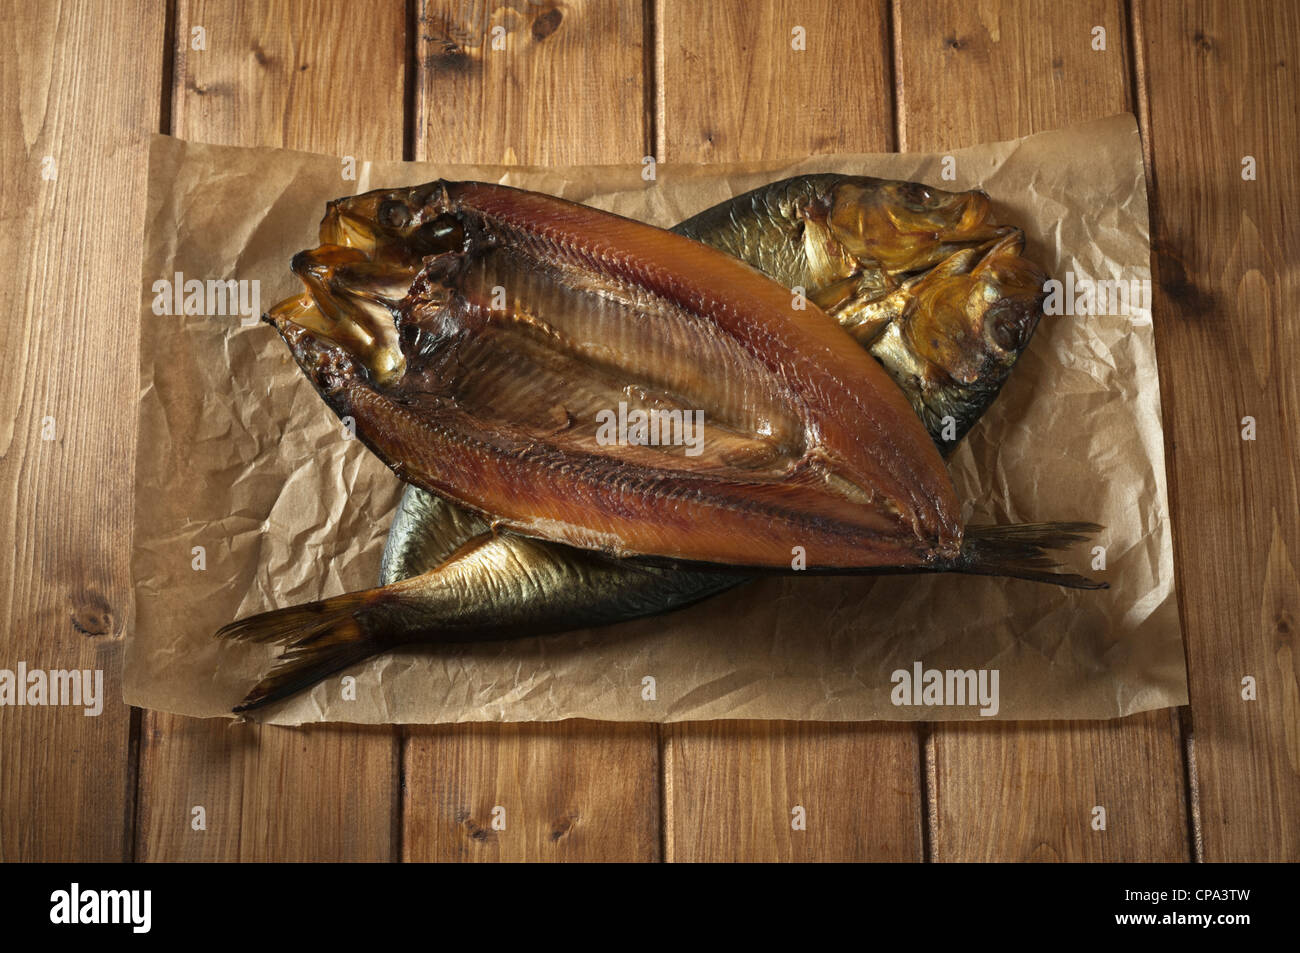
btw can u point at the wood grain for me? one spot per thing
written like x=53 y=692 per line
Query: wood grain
x=326 y=77
x=732 y=88
x=66 y=256
x=566 y=89
x=570 y=790
x=1221 y=85
x=1029 y=791
x=530 y=82
x=734 y=788
x=980 y=72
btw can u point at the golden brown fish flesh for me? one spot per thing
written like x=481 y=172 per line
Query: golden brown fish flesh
x=532 y=316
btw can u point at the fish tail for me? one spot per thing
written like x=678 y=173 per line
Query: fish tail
x=1022 y=551
x=321 y=638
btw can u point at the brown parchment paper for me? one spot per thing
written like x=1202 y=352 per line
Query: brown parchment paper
x=239 y=456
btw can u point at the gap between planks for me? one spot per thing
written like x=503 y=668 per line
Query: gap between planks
x=1181 y=718
x=926 y=773
x=131 y=808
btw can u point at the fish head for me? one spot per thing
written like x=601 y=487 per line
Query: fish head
x=972 y=315
x=373 y=248
x=907 y=226
x=399 y=226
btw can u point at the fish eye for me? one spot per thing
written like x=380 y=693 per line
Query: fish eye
x=393 y=213
x=918 y=194
x=442 y=234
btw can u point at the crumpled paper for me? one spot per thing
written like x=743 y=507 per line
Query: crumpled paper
x=249 y=497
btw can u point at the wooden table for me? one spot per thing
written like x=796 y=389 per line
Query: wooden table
x=1211 y=83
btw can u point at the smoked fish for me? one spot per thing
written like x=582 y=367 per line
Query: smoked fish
x=938 y=293
x=536 y=315
x=935 y=289
x=474 y=333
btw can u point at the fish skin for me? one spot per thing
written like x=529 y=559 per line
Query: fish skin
x=425 y=532
x=492 y=587
x=857 y=481
x=812 y=230
x=938 y=292
x=430 y=533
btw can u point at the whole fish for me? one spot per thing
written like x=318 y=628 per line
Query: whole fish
x=533 y=316
x=785 y=451
x=936 y=290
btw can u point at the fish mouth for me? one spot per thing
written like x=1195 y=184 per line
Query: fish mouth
x=328 y=362
x=950 y=336
x=373 y=247
x=351 y=305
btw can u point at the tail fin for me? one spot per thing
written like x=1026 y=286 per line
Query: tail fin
x=322 y=638
x=1021 y=551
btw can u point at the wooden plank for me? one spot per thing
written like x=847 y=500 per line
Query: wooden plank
x=566 y=88
x=738 y=790
x=1220 y=82
x=972 y=73
x=732 y=89
x=326 y=77
x=1027 y=791
x=562 y=84
x=568 y=790
x=979 y=72
x=71 y=197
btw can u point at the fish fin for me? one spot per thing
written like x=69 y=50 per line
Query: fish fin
x=1021 y=550
x=322 y=638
